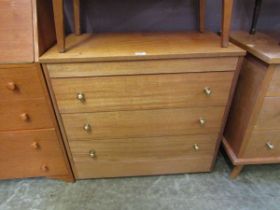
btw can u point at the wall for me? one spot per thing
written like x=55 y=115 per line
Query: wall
x=167 y=15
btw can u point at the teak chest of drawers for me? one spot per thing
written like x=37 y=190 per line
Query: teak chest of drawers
x=142 y=104
x=252 y=132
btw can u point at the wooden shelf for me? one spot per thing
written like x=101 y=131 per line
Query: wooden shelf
x=263 y=46
x=140 y=46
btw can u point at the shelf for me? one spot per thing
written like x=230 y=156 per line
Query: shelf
x=140 y=46
x=263 y=46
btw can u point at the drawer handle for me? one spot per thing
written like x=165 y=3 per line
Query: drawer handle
x=87 y=127
x=270 y=146
x=196 y=147
x=11 y=86
x=207 y=91
x=44 y=168
x=81 y=97
x=25 y=117
x=202 y=121
x=92 y=154
x=35 y=145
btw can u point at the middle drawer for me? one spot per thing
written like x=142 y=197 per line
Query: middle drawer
x=143 y=123
x=97 y=94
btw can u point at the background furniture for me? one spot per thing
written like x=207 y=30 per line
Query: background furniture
x=252 y=131
x=30 y=140
x=60 y=32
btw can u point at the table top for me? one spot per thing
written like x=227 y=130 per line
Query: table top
x=140 y=46
x=264 y=46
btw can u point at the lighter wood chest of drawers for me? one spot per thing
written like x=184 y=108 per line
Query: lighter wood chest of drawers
x=141 y=117
x=252 y=132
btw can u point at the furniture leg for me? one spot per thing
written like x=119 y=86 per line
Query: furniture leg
x=202 y=15
x=236 y=171
x=58 y=11
x=257 y=10
x=226 y=22
x=77 y=17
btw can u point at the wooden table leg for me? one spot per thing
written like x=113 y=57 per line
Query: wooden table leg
x=236 y=171
x=226 y=22
x=202 y=15
x=256 y=15
x=77 y=17
x=58 y=11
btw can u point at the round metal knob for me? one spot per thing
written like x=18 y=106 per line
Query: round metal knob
x=12 y=86
x=44 y=168
x=35 y=145
x=92 y=153
x=87 y=127
x=195 y=147
x=81 y=97
x=207 y=91
x=270 y=146
x=24 y=117
x=202 y=121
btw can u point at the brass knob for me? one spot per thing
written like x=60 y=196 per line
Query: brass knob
x=270 y=146
x=81 y=97
x=24 y=117
x=202 y=121
x=12 y=86
x=87 y=127
x=35 y=145
x=92 y=154
x=44 y=168
x=207 y=91
x=196 y=147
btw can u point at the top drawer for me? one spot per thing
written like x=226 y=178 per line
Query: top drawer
x=118 y=93
x=21 y=82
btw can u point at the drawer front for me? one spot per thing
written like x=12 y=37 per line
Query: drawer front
x=274 y=87
x=142 y=92
x=24 y=115
x=143 y=156
x=263 y=144
x=142 y=67
x=20 y=83
x=269 y=117
x=30 y=153
x=145 y=123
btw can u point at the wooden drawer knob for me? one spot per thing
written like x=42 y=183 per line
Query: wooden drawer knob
x=92 y=154
x=12 y=86
x=25 y=117
x=202 y=121
x=270 y=146
x=45 y=168
x=87 y=127
x=35 y=145
x=207 y=91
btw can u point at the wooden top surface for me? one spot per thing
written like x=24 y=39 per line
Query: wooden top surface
x=140 y=46
x=263 y=46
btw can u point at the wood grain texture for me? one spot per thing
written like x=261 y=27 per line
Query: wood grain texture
x=16 y=31
x=121 y=153
x=139 y=46
x=142 y=67
x=142 y=92
x=263 y=46
x=274 y=86
x=58 y=10
x=21 y=76
x=146 y=123
x=22 y=159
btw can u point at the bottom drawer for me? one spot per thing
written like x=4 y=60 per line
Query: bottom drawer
x=30 y=154
x=263 y=144
x=143 y=156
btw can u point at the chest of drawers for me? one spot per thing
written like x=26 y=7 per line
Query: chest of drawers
x=125 y=115
x=252 y=131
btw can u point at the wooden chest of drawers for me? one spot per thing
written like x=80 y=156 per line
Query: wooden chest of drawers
x=30 y=142
x=252 y=132
x=131 y=116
